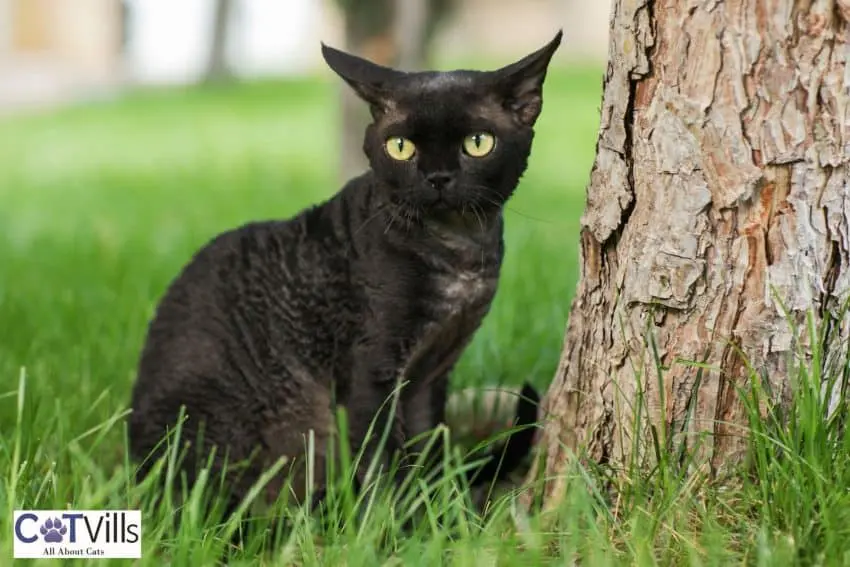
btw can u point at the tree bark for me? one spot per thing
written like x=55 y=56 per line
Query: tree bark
x=719 y=199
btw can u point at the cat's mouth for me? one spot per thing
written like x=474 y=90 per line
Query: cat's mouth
x=428 y=205
x=446 y=209
x=441 y=204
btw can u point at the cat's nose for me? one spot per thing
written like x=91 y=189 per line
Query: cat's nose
x=439 y=180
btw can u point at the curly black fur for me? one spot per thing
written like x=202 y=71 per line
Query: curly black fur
x=274 y=324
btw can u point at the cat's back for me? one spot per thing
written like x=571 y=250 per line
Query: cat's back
x=243 y=337
x=249 y=296
x=224 y=268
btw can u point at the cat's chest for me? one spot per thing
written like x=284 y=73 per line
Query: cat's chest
x=456 y=304
x=462 y=291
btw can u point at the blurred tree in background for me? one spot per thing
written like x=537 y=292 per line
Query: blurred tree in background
x=395 y=33
x=217 y=67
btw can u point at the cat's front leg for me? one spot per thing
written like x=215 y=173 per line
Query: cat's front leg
x=423 y=407
x=376 y=429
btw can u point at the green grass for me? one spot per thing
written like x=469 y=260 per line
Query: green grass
x=101 y=205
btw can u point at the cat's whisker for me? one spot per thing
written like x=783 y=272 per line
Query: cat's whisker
x=505 y=206
x=414 y=218
x=369 y=219
x=474 y=210
x=390 y=222
x=484 y=197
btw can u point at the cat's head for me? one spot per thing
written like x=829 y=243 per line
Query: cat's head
x=454 y=141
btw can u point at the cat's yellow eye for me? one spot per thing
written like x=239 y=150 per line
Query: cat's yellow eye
x=479 y=144
x=400 y=148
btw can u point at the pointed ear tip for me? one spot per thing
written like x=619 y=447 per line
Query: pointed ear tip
x=330 y=55
x=327 y=49
x=556 y=41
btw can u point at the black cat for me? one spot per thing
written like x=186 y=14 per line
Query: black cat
x=273 y=324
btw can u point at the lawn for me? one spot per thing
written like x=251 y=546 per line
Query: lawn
x=101 y=206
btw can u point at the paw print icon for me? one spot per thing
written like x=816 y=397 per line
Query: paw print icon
x=53 y=530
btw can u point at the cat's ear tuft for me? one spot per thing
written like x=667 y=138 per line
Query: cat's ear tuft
x=521 y=83
x=372 y=82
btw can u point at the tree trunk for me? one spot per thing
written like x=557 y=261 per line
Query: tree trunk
x=369 y=34
x=410 y=29
x=388 y=33
x=217 y=67
x=719 y=198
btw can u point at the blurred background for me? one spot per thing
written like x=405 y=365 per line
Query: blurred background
x=57 y=51
x=52 y=50
x=132 y=132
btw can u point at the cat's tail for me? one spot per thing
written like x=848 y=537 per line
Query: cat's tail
x=509 y=455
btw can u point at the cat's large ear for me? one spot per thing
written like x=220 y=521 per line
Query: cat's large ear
x=371 y=82
x=521 y=83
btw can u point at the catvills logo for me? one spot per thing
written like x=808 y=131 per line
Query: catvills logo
x=90 y=534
